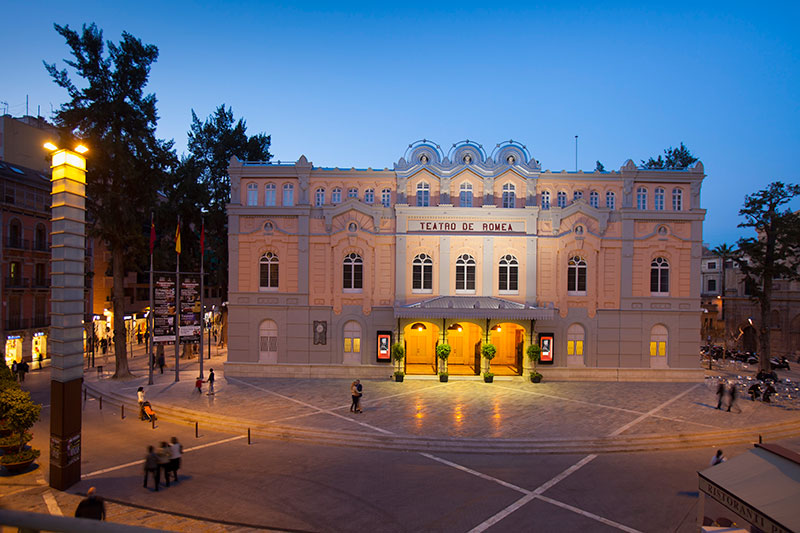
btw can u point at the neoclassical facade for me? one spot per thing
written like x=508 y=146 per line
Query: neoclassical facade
x=329 y=266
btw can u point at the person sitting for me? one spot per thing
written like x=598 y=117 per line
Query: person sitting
x=769 y=391
x=754 y=391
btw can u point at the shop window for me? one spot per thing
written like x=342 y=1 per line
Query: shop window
x=576 y=276
x=575 y=339
x=319 y=197
x=562 y=199
x=423 y=194
x=352 y=192
x=509 y=275
x=288 y=195
x=658 y=199
x=270 y=195
x=336 y=196
x=658 y=341
x=545 y=199
x=352 y=337
x=465 y=274
x=252 y=194
x=465 y=195
x=594 y=199
x=369 y=196
x=659 y=276
x=422 y=274
x=611 y=200
x=677 y=199
x=641 y=198
x=509 y=195
x=353 y=273
x=268 y=267
x=386 y=197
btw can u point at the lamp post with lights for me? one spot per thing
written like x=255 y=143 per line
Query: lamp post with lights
x=68 y=222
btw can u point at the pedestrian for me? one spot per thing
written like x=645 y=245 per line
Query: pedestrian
x=720 y=393
x=92 y=506
x=718 y=458
x=151 y=466
x=161 y=362
x=732 y=397
x=104 y=345
x=355 y=391
x=164 y=462
x=140 y=398
x=754 y=391
x=198 y=385
x=15 y=370
x=22 y=368
x=210 y=382
x=768 y=391
x=176 y=452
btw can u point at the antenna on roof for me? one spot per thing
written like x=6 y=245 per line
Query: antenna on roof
x=576 y=153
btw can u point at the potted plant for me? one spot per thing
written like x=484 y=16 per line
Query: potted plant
x=534 y=353
x=488 y=351
x=443 y=352
x=398 y=354
x=20 y=413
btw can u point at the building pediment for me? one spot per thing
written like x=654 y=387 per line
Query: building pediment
x=351 y=204
x=578 y=207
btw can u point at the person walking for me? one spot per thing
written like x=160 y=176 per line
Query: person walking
x=163 y=462
x=161 y=362
x=92 y=506
x=15 y=370
x=176 y=452
x=198 y=385
x=151 y=466
x=210 y=382
x=718 y=458
x=140 y=398
x=22 y=368
x=720 y=393
x=732 y=393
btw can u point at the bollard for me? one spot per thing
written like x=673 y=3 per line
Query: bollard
x=759 y=439
x=195 y=430
x=101 y=403
x=122 y=412
x=153 y=421
x=248 y=436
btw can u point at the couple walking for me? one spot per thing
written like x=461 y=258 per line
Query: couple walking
x=355 y=392
x=167 y=459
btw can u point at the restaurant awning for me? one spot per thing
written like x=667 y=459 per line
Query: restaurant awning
x=472 y=307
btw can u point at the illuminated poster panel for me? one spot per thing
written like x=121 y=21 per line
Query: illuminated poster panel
x=384 y=346
x=546 y=341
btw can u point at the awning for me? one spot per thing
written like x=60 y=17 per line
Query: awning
x=472 y=307
x=762 y=486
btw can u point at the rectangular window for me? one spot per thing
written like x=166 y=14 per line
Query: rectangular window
x=579 y=347
x=711 y=265
x=356 y=344
x=570 y=347
x=470 y=278
x=348 y=343
x=712 y=285
x=269 y=196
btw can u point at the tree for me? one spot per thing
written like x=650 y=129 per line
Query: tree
x=676 y=159
x=773 y=254
x=127 y=163
x=211 y=145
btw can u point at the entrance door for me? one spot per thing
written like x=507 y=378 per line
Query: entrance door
x=420 y=340
x=463 y=338
x=508 y=339
x=268 y=342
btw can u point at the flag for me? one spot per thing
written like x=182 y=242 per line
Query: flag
x=152 y=235
x=178 y=238
x=202 y=239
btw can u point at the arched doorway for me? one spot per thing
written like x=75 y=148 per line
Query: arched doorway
x=420 y=340
x=509 y=340
x=464 y=339
x=749 y=339
x=658 y=346
x=352 y=343
x=268 y=342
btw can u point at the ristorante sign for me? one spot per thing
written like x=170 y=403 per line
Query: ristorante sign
x=466 y=226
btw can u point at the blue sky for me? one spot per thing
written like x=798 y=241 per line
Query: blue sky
x=352 y=84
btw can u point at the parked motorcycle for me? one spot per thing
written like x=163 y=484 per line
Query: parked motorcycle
x=779 y=364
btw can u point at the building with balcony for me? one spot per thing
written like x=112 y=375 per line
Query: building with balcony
x=330 y=266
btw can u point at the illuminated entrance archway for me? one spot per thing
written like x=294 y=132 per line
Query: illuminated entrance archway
x=420 y=340
x=509 y=339
x=464 y=339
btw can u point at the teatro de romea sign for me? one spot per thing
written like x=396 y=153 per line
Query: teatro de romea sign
x=466 y=226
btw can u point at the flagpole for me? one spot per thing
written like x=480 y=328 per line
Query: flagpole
x=202 y=292
x=150 y=319
x=178 y=301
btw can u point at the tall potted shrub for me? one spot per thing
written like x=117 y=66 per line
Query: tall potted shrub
x=534 y=353
x=488 y=351
x=443 y=352
x=20 y=413
x=398 y=354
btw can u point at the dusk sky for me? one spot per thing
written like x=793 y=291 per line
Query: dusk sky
x=352 y=84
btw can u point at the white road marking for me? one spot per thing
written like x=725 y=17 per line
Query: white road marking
x=588 y=514
x=475 y=473
x=563 y=475
x=651 y=411
x=52 y=504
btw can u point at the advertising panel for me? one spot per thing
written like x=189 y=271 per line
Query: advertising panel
x=164 y=309
x=384 y=346
x=190 y=309
x=547 y=344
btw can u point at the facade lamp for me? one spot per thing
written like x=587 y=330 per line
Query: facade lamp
x=419 y=326
x=497 y=328
x=455 y=327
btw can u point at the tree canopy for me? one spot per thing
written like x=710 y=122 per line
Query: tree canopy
x=675 y=159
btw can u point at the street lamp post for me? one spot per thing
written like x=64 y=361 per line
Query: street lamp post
x=68 y=223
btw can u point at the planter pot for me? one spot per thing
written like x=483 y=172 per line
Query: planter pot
x=18 y=468
x=443 y=379
x=12 y=448
x=488 y=379
x=399 y=379
x=536 y=379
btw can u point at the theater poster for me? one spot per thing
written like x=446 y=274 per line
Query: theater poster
x=547 y=345
x=384 y=346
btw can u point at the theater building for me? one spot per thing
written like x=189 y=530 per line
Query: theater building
x=328 y=266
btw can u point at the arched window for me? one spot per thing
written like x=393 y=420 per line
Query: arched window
x=509 y=195
x=319 y=197
x=252 y=194
x=270 y=195
x=611 y=200
x=336 y=196
x=40 y=237
x=575 y=339
x=353 y=272
x=386 y=197
x=658 y=341
x=15 y=234
x=576 y=275
x=641 y=198
x=288 y=195
x=465 y=273
x=677 y=199
x=423 y=194
x=577 y=195
x=509 y=274
x=352 y=337
x=545 y=199
x=465 y=194
x=562 y=199
x=594 y=199
x=658 y=199
x=659 y=276
x=422 y=273
x=268 y=266
x=352 y=192
x=268 y=341
x=369 y=196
